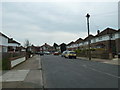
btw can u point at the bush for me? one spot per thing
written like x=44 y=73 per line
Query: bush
x=78 y=51
x=6 y=64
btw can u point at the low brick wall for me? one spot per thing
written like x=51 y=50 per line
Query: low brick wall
x=95 y=54
x=7 y=58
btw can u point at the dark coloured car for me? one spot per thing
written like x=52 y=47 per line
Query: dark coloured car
x=39 y=53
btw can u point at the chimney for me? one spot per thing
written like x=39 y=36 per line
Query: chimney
x=11 y=38
x=98 y=31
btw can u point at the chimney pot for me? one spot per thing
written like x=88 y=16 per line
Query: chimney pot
x=98 y=31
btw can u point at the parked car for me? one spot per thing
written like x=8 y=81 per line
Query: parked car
x=56 y=53
x=69 y=54
x=39 y=53
x=63 y=54
x=47 y=53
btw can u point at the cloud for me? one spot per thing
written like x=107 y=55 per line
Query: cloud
x=44 y=37
x=56 y=22
x=60 y=0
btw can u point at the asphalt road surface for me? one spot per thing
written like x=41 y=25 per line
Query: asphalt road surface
x=59 y=72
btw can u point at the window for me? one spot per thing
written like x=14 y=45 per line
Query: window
x=100 y=38
x=119 y=35
x=94 y=40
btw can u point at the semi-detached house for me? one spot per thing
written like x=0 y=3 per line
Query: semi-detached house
x=109 y=39
x=13 y=45
x=8 y=44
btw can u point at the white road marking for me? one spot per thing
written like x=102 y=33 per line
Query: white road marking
x=100 y=71
x=105 y=73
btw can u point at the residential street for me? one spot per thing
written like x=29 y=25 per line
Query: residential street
x=59 y=44
x=60 y=72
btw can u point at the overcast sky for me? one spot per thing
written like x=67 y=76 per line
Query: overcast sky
x=49 y=22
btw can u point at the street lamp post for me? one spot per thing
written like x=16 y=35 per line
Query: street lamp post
x=89 y=53
x=110 y=48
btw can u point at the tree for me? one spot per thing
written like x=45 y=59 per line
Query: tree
x=55 y=46
x=27 y=45
x=63 y=47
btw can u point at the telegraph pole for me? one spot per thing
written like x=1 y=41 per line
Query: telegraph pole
x=89 y=52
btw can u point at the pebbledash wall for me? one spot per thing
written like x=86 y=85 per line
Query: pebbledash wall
x=3 y=43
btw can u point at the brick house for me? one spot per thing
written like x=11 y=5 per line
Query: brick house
x=108 y=40
x=77 y=43
x=70 y=46
x=74 y=45
x=105 y=39
x=84 y=43
x=117 y=41
x=37 y=48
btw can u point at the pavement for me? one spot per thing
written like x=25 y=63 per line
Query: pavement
x=114 y=61
x=26 y=75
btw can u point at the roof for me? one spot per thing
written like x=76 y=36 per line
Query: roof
x=106 y=31
x=62 y=44
x=22 y=47
x=70 y=43
x=79 y=40
x=10 y=40
x=4 y=35
x=46 y=45
x=118 y=30
x=55 y=44
x=89 y=37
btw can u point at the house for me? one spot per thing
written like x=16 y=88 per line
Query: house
x=84 y=43
x=109 y=39
x=22 y=49
x=37 y=48
x=117 y=41
x=46 y=48
x=3 y=42
x=78 y=43
x=13 y=45
x=105 y=39
x=70 y=46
